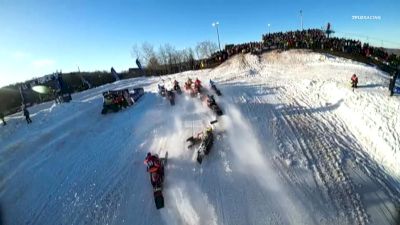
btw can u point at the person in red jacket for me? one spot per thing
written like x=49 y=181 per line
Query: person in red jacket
x=155 y=169
x=197 y=82
x=354 y=81
x=197 y=85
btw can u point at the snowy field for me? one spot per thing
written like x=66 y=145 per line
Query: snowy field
x=296 y=146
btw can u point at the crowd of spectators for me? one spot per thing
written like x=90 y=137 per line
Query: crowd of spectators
x=314 y=39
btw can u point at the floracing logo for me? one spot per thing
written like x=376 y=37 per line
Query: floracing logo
x=366 y=17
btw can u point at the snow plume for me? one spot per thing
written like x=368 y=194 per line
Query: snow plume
x=188 y=205
x=246 y=148
x=250 y=160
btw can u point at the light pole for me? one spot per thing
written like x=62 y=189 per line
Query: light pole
x=269 y=28
x=301 y=18
x=215 y=24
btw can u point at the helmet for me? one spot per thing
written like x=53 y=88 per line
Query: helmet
x=209 y=129
x=148 y=154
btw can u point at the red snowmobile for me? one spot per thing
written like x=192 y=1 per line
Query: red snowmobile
x=155 y=167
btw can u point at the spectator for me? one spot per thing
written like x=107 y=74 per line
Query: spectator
x=392 y=83
x=354 y=81
x=2 y=118
x=26 y=114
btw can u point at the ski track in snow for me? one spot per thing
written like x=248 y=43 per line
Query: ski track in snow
x=292 y=148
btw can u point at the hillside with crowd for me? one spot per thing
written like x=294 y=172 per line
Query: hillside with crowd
x=316 y=40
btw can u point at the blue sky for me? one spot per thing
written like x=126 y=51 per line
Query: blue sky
x=39 y=37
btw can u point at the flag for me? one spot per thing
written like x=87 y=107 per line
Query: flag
x=140 y=66
x=114 y=73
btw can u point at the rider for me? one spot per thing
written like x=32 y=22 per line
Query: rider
x=210 y=100
x=154 y=167
x=188 y=84
x=197 y=82
x=204 y=134
x=354 y=81
x=161 y=89
x=212 y=83
x=176 y=85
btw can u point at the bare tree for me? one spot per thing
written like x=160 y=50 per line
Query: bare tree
x=164 y=55
x=205 y=49
x=148 y=52
x=153 y=63
x=135 y=52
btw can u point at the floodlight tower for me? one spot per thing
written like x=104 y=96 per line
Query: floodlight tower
x=215 y=24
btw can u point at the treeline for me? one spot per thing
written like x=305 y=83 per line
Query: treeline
x=167 y=59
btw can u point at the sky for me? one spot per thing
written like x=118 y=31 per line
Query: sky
x=39 y=37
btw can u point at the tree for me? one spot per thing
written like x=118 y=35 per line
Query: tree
x=205 y=49
x=148 y=52
x=135 y=52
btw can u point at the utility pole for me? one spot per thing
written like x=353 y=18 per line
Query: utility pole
x=301 y=19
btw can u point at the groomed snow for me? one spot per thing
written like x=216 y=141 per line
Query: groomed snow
x=296 y=146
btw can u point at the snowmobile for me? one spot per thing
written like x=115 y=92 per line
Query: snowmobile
x=204 y=141
x=189 y=89
x=197 y=86
x=214 y=88
x=115 y=100
x=177 y=88
x=171 y=97
x=210 y=100
x=157 y=180
x=161 y=90
x=136 y=94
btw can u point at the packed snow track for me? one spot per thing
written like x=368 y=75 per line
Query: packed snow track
x=296 y=145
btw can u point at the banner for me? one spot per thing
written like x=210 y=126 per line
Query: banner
x=114 y=73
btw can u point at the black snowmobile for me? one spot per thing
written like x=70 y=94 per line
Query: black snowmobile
x=204 y=141
x=157 y=181
x=210 y=100
x=161 y=90
x=214 y=88
x=171 y=97
x=177 y=88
